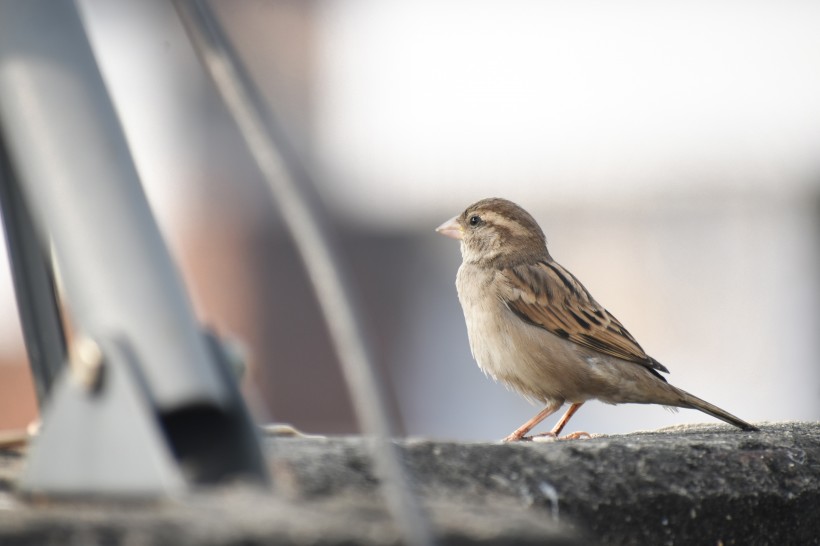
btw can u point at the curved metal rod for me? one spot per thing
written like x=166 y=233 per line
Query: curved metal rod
x=289 y=187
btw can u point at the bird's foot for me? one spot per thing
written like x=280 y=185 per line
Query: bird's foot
x=576 y=435
x=551 y=436
x=544 y=437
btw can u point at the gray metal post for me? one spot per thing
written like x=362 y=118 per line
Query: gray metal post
x=291 y=190
x=33 y=282
x=125 y=295
x=66 y=142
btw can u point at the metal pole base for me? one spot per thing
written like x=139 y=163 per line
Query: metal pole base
x=100 y=434
x=103 y=434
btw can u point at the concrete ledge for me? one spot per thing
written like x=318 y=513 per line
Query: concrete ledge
x=702 y=485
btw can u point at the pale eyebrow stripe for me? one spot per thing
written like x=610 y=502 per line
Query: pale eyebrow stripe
x=504 y=222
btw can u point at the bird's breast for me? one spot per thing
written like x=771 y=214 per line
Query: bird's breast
x=482 y=311
x=504 y=347
x=526 y=358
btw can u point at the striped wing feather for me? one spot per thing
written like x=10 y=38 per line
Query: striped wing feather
x=549 y=296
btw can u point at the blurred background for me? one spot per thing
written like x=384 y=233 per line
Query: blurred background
x=671 y=152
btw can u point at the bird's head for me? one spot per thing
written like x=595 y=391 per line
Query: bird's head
x=496 y=231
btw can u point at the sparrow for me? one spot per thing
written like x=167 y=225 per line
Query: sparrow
x=535 y=328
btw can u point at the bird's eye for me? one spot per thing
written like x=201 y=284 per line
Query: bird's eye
x=474 y=220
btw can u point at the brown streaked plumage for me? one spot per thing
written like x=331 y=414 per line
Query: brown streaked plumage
x=533 y=326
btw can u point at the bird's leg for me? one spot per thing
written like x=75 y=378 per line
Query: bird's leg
x=559 y=426
x=562 y=422
x=526 y=427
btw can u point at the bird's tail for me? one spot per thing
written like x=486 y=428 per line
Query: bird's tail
x=692 y=401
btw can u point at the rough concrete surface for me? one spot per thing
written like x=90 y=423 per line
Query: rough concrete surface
x=685 y=485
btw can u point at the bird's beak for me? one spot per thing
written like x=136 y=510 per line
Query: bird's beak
x=451 y=228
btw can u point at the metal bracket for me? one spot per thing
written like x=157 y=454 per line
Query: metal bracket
x=100 y=433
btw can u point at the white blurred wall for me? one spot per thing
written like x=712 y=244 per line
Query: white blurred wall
x=564 y=103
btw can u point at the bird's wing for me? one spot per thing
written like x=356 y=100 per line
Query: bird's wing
x=548 y=296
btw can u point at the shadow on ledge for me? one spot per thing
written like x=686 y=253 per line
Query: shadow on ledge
x=682 y=485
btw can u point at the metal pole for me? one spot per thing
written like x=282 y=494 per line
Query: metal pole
x=34 y=285
x=65 y=140
x=149 y=404
x=289 y=187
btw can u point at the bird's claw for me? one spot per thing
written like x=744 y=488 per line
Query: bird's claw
x=546 y=437
x=576 y=436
